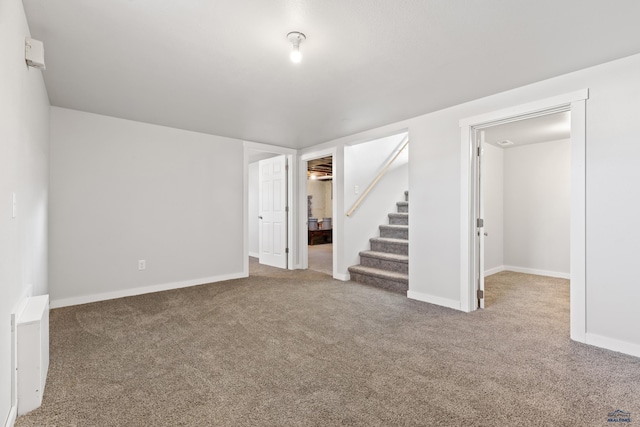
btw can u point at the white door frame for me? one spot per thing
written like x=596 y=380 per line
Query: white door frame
x=291 y=190
x=335 y=224
x=478 y=141
x=576 y=103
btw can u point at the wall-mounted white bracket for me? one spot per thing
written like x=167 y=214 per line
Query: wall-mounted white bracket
x=34 y=53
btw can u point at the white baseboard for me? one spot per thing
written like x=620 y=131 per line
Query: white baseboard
x=85 y=299
x=254 y=254
x=432 y=299
x=11 y=418
x=345 y=277
x=537 y=272
x=494 y=270
x=613 y=344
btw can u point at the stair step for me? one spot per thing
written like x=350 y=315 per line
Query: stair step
x=386 y=265
x=401 y=218
x=389 y=245
x=394 y=231
x=396 y=282
x=385 y=261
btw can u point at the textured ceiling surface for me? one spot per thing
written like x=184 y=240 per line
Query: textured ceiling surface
x=222 y=67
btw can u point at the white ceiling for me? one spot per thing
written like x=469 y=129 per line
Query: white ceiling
x=551 y=127
x=222 y=67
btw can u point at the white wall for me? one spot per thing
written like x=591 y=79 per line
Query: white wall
x=24 y=122
x=527 y=212
x=612 y=131
x=493 y=168
x=254 y=211
x=122 y=191
x=537 y=191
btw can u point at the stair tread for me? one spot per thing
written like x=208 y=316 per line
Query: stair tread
x=390 y=240
x=402 y=203
x=395 y=226
x=377 y=272
x=386 y=255
x=399 y=214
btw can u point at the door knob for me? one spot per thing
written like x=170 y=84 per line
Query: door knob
x=486 y=234
x=260 y=217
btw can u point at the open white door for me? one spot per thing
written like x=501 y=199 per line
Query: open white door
x=480 y=218
x=273 y=211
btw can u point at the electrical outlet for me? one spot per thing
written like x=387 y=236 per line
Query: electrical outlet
x=356 y=189
x=142 y=264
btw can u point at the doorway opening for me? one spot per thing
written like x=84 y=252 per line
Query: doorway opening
x=268 y=214
x=472 y=225
x=318 y=224
x=320 y=214
x=524 y=178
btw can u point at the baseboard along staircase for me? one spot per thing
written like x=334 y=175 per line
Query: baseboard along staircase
x=386 y=264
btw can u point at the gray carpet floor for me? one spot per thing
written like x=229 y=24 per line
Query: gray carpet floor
x=296 y=348
x=321 y=258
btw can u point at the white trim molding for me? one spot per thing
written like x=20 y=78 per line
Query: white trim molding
x=516 y=112
x=85 y=299
x=578 y=226
x=536 y=272
x=344 y=277
x=259 y=146
x=613 y=344
x=432 y=299
x=494 y=270
x=13 y=413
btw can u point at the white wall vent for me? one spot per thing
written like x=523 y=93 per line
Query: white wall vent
x=32 y=353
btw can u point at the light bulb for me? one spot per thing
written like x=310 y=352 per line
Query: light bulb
x=296 y=56
x=295 y=38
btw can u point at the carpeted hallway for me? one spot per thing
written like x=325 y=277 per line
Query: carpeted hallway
x=295 y=348
x=321 y=258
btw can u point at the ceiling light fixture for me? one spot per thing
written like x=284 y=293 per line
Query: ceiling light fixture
x=296 y=37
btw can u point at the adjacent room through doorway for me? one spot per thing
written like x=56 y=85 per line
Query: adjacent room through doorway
x=526 y=187
x=320 y=214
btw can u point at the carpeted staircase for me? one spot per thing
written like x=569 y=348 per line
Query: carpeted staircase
x=386 y=264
